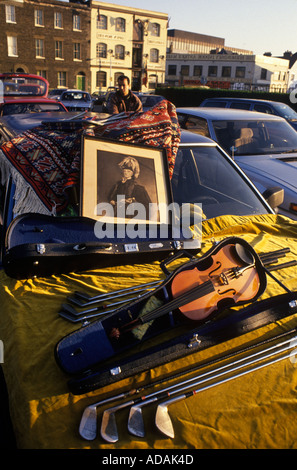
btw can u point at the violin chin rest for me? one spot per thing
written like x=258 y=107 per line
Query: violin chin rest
x=243 y=254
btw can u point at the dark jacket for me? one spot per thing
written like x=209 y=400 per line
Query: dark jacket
x=119 y=104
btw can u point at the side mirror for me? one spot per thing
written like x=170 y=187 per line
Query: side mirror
x=274 y=196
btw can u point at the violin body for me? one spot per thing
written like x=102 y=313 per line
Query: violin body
x=229 y=284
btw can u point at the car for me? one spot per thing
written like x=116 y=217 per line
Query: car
x=262 y=106
x=76 y=100
x=56 y=93
x=149 y=100
x=264 y=146
x=204 y=173
x=26 y=93
x=13 y=125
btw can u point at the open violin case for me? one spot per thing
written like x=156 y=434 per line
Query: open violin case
x=40 y=245
x=167 y=324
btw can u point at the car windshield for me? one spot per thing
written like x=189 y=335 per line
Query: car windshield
x=251 y=137
x=20 y=86
x=285 y=111
x=203 y=175
x=24 y=108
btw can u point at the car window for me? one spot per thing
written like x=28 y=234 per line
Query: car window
x=249 y=137
x=238 y=105
x=263 y=108
x=285 y=111
x=197 y=125
x=204 y=176
x=215 y=104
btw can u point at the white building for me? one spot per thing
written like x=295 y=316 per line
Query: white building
x=127 y=41
x=229 y=71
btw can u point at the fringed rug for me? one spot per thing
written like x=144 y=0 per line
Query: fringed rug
x=45 y=161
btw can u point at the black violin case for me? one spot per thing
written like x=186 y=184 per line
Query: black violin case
x=40 y=245
x=96 y=355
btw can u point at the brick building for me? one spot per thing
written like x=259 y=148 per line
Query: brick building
x=47 y=37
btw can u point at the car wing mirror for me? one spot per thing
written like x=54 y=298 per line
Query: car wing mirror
x=274 y=196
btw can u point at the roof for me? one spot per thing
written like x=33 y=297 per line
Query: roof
x=252 y=100
x=227 y=113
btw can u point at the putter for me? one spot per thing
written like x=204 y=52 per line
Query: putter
x=162 y=419
x=135 y=420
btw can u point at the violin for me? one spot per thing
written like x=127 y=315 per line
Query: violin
x=228 y=276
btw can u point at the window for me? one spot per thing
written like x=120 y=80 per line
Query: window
x=120 y=52
x=263 y=74
x=117 y=75
x=58 y=20
x=100 y=79
x=185 y=70
x=155 y=29
x=76 y=23
x=12 y=46
x=154 y=55
x=212 y=71
x=62 y=82
x=120 y=25
x=42 y=73
x=39 y=47
x=76 y=51
x=226 y=71
x=58 y=50
x=240 y=72
x=101 y=50
x=38 y=17
x=171 y=69
x=10 y=14
x=102 y=22
x=197 y=70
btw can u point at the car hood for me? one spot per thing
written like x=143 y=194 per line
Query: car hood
x=281 y=168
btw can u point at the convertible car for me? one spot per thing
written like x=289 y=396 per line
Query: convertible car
x=52 y=325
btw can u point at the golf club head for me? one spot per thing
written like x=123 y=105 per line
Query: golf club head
x=88 y=423
x=135 y=421
x=163 y=421
x=109 y=430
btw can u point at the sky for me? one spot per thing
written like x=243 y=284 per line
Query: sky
x=256 y=25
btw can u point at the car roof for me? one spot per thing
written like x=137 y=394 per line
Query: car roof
x=28 y=99
x=18 y=123
x=252 y=100
x=227 y=113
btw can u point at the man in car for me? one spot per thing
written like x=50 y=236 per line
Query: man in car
x=123 y=100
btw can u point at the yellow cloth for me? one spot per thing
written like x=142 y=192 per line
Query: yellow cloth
x=255 y=411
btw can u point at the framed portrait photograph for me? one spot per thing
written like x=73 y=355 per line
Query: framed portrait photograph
x=122 y=182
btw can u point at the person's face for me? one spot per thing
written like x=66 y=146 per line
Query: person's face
x=127 y=173
x=124 y=87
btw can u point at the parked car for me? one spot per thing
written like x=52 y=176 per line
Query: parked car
x=264 y=146
x=56 y=93
x=77 y=100
x=203 y=173
x=262 y=106
x=148 y=100
x=26 y=93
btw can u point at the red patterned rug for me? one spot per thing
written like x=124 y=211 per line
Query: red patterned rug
x=48 y=157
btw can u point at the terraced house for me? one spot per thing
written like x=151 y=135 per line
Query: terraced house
x=47 y=37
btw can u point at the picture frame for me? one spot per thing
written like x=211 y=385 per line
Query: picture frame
x=102 y=167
